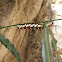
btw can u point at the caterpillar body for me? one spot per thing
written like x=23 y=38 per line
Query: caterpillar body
x=36 y=26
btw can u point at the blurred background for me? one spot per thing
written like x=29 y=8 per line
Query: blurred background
x=56 y=6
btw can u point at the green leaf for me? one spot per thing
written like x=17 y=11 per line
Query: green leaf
x=43 y=52
x=10 y=47
x=59 y=58
x=54 y=41
x=47 y=51
x=54 y=45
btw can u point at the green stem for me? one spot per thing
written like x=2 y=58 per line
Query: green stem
x=31 y=23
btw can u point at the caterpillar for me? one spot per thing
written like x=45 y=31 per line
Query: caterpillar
x=37 y=26
x=33 y=25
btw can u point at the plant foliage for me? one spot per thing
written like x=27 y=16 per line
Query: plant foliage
x=47 y=54
x=10 y=47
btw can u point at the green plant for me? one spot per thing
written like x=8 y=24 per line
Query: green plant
x=10 y=47
x=47 y=54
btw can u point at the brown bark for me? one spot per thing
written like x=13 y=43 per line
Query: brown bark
x=27 y=42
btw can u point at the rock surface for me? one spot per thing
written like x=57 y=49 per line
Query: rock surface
x=23 y=11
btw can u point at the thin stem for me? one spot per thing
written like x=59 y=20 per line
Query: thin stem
x=31 y=23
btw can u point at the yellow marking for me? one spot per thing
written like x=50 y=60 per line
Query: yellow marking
x=31 y=26
x=23 y=25
x=27 y=25
x=48 y=24
x=39 y=25
x=20 y=26
x=35 y=25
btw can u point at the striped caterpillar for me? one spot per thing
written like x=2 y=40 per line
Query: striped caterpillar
x=37 y=26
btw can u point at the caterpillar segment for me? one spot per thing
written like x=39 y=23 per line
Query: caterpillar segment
x=28 y=26
x=50 y=24
x=36 y=26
